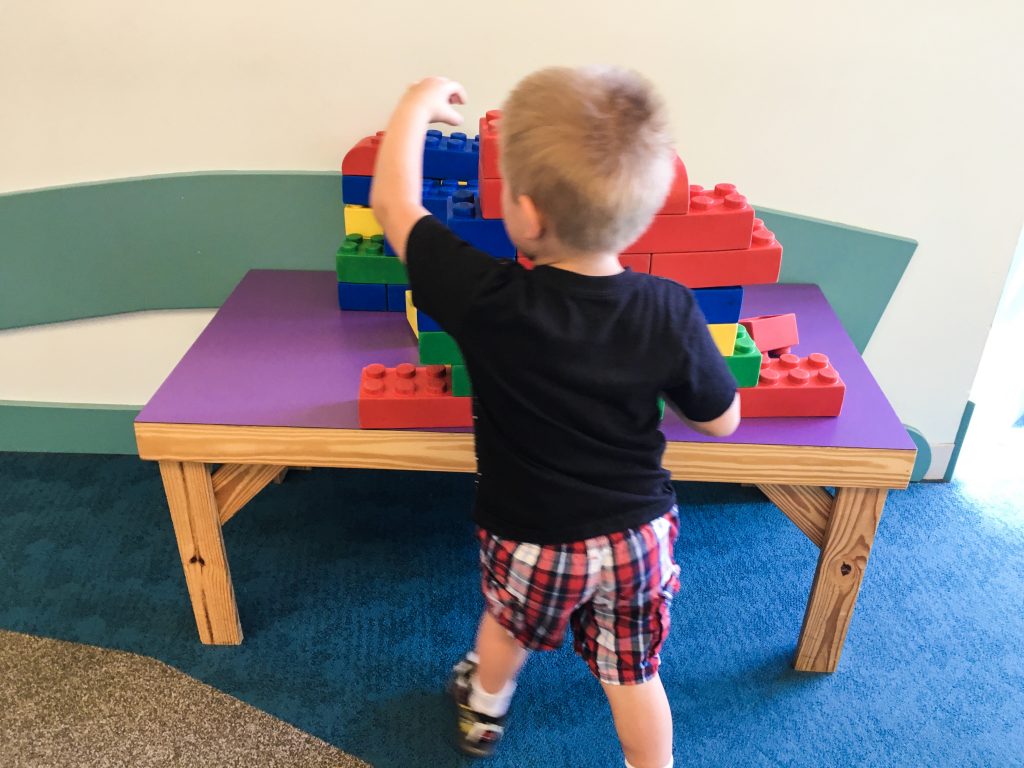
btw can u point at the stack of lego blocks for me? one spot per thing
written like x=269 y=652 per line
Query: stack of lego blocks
x=707 y=239
x=436 y=392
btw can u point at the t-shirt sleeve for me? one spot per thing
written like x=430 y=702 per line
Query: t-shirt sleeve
x=446 y=273
x=702 y=386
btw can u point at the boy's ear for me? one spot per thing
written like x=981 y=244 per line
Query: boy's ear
x=533 y=220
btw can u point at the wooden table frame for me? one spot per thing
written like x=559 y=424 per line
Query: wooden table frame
x=842 y=525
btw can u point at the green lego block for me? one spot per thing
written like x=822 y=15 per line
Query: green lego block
x=460 y=382
x=362 y=260
x=661 y=409
x=745 y=361
x=438 y=348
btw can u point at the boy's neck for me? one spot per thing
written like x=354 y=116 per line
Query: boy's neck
x=588 y=264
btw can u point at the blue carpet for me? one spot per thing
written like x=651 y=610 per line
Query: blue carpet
x=357 y=589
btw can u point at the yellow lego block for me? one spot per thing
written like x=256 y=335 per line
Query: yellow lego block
x=724 y=335
x=359 y=220
x=410 y=314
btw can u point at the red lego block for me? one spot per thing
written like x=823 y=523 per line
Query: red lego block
x=490 y=198
x=794 y=386
x=489 y=168
x=410 y=396
x=638 y=262
x=719 y=220
x=360 y=160
x=525 y=260
x=678 y=200
x=772 y=332
x=760 y=263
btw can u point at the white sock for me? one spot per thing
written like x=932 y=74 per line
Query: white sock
x=471 y=656
x=492 y=704
x=671 y=762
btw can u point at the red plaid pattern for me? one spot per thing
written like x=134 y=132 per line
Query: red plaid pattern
x=615 y=591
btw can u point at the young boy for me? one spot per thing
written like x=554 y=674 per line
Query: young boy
x=577 y=518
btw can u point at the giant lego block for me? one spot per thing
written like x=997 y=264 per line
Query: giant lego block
x=678 y=200
x=410 y=314
x=638 y=262
x=760 y=263
x=361 y=159
x=794 y=386
x=490 y=198
x=451 y=157
x=396 y=297
x=489 y=168
x=363 y=296
x=488 y=235
x=724 y=336
x=439 y=348
x=720 y=305
x=745 y=360
x=418 y=321
x=461 y=386
x=359 y=220
x=719 y=219
x=772 y=332
x=436 y=194
x=410 y=396
x=362 y=260
x=355 y=190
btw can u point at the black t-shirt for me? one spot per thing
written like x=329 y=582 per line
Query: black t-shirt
x=566 y=372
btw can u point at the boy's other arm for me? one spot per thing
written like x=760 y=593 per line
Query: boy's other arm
x=396 y=195
x=723 y=426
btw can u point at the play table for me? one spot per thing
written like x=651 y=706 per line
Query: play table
x=272 y=381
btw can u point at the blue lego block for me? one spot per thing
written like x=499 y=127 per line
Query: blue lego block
x=465 y=220
x=396 y=297
x=451 y=157
x=365 y=296
x=425 y=322
x=388 y=250
x=436 y=194
x=720 y=305
x=355 y=190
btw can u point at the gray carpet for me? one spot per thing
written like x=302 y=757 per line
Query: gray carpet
x=65 y=704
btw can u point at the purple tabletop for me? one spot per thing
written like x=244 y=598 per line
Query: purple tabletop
x=279 y=353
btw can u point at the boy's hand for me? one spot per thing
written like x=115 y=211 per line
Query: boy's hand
x=434 y=97
x=398 y=176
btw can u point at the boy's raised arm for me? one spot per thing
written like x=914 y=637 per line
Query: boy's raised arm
x=396 y=195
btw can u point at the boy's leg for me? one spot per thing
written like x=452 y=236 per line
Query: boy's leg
x=500 y=656
x=643 y=721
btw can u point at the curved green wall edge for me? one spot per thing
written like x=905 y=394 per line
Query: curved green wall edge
x=183 y=241
x=162 y=242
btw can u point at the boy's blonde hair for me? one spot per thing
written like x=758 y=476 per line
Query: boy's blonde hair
x=591 y=148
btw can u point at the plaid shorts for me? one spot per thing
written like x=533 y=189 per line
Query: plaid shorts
x=615 y=591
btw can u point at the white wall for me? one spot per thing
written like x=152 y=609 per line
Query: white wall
x=903 y=116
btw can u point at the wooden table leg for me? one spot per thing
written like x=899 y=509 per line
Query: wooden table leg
x=844 y=557
x=197 y=527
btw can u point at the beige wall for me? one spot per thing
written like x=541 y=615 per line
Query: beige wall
x=898 y=115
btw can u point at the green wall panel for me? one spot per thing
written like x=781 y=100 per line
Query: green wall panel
x=858 y=270
x=67 y=427
x=165 y=242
